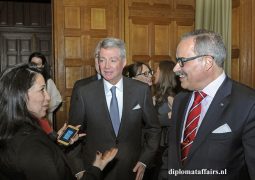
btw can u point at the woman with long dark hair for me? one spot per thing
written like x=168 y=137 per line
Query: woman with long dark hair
x=26 y=152
x=165 y=90
x=40 y=61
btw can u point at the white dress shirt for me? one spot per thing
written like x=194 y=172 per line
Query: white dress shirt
x=211 y=89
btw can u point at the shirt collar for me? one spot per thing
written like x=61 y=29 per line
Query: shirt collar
x=99 y=76
x=108 y=86
x=213 y=87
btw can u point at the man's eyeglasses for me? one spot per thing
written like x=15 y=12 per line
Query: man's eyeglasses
x=146 y=73
x=182 y=60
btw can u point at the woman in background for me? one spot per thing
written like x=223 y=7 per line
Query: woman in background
x=165 y=86
x=26 y=152
x=40 y=61
x=165 y=90
x=139 y=71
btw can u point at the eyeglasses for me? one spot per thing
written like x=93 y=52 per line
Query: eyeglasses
x=37 y=65
x=146 y=73
x=182 y=60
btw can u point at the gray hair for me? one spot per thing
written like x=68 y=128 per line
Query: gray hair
x=208 y=43
x=97 y=50
x=111 y=43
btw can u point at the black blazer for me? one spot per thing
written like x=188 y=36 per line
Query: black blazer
x=85 y=81
x=33 y=155
x=90 y=109
x=234 y=105
x=78 y=84
x=73 y=153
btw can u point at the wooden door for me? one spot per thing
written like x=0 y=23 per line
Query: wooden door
x=25 y=27
x=17 y=46
x=243 y=42
x=153 y=28
x=80 y=24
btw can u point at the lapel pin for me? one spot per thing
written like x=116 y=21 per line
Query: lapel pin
x=221 y=104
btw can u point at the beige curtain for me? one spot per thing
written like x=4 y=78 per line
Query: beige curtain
x=215 y=15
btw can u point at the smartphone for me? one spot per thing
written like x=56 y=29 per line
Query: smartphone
x=68 y=133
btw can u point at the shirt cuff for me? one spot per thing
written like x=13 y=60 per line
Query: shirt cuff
x=143 y=164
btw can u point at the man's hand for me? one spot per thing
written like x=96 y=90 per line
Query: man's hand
x=139 y=169
x=103 y=159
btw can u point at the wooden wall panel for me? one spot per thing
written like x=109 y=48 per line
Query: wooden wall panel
x=72 y=18
x=72 y=47
x=253 y=47
x=72 y=74
x=162 y=32
x=243 y=42
x=150 y=28
x=182 y=29
x=98 y=18
x=90 y=47
x=77 y=31
x=246 y=43
x=140 y=39
x=235 y=63
x=153 y=28
x=184 y=4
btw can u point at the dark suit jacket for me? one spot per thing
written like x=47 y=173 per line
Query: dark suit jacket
x=90 y=109
x=85 y=81
x=73 y=153
x=78 y=84
x=233 y=104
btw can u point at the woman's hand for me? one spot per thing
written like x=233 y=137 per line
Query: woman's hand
x=103 y=159
x=144 y=79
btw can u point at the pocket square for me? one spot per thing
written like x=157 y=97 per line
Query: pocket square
x=136 y=107
x=222 y=129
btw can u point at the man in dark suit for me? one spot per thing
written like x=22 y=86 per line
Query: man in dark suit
x=218 y=143
x=113 y=111
x=73 y=153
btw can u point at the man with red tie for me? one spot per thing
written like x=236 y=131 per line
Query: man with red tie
x=212 y=132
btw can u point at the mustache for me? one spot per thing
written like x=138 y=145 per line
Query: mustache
x=180 y=73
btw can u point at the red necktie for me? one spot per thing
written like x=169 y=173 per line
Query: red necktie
x=191 y=124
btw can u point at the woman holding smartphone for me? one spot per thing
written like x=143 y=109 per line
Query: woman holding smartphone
x=26 y=152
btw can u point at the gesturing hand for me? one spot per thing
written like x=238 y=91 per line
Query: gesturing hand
x=103 y=159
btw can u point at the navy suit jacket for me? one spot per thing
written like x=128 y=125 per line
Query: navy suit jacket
x=234 y=105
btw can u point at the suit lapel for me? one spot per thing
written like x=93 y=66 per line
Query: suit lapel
x=127 y=102
x=213 y=117
x=182 y=108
